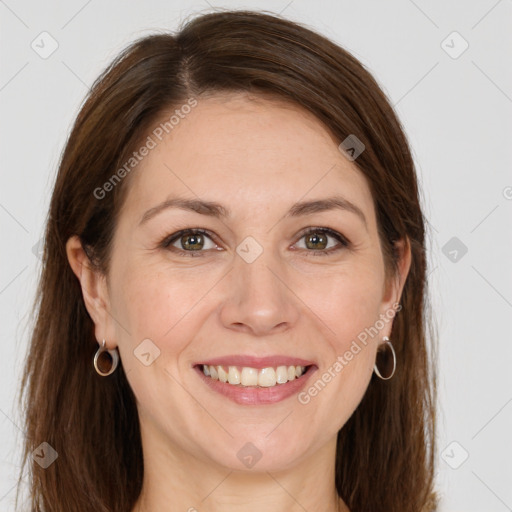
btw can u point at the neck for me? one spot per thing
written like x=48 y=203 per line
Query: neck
x=176 y=479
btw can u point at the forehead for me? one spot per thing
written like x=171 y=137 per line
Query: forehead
x=252 y=151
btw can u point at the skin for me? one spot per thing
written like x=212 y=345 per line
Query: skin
x=256 y=157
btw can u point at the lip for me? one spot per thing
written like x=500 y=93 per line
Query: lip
x=256 y=362
x=243 y=395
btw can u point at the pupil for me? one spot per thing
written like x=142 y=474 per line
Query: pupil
x=315 y=239
x=192 y=245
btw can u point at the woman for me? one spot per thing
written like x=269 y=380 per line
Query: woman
x=231 y=313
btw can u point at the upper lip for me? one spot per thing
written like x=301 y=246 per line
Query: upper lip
x=256 y=362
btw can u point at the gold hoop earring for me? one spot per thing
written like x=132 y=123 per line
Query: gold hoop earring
x=114 y=355
x=385 y=359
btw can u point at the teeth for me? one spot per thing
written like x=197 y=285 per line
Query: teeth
x=223 y=376
x=249 y=376
x=233 y=375
x=265 y=378
x=282 y=374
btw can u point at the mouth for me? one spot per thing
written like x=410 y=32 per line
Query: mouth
x=255 y=386
x=247 y=376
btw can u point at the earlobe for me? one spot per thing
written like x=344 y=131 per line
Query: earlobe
x=93 y=284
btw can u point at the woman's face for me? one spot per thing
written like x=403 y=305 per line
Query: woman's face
x=253 y=285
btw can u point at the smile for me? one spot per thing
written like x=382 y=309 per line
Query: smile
x=272 y=388
x=247 y=376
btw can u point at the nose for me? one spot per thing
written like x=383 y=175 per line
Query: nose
x=258 y=300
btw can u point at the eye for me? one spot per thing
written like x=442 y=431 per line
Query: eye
x=317 y=239
x=191 y=242
x=188 y=241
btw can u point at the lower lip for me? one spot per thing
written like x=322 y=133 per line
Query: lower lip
x=257 y=396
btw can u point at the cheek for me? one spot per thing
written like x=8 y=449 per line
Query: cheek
x=348 y=302
x=159 y=304
x=156 y=316
x=153 y=303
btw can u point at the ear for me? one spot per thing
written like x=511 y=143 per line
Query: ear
x=394 y=284
x=94 y=291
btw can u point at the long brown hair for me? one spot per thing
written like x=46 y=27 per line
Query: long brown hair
x=385 y=451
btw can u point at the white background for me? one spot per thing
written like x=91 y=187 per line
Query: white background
x=457 y=115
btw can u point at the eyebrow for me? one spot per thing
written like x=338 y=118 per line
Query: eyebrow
x=214 y=209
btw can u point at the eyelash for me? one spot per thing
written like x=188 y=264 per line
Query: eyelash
x=166 y=242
